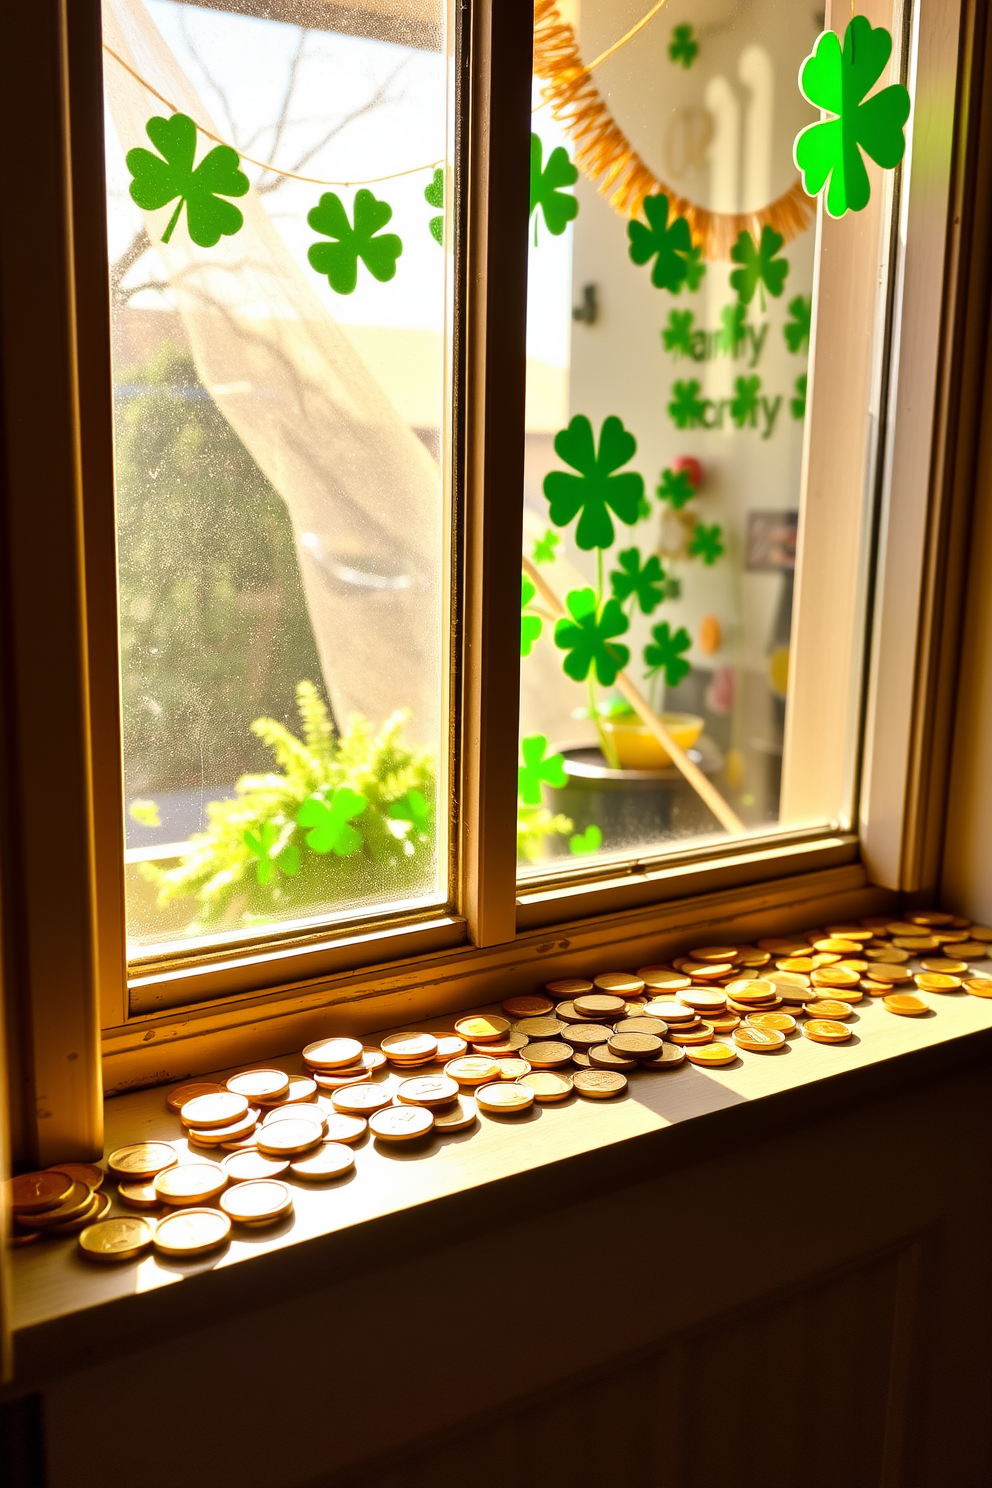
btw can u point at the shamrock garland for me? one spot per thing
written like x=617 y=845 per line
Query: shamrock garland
x=676 y=488
x=686 y=408
x=797 y=327
x=707 y=543
x=596 y=489
x=676 y=261
x=434 y=197
x=830 y=153
x=546 y=183
x=530 y=625
x=159 y=179
x=683 y=47
x=797 y=404
x=339 y=259
x=760 y=268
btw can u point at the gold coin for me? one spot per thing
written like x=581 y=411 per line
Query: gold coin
x=176 y=1099
x=724 y=1022
x=669 y=1057
x=510 y=1044
x=780 y=1021
x=97 y=1208
x=791 y=982
x=286 y=1138
x=332 y=1053
x=656 y=1026
x=341 y=1081
x=248 y=1167
x=513 y=1069
x=600 y=1007
x=191 y=1183
x=886 y=955
x=850 y=932
x=450 y=1046
x=621 y=983
x=569 y=987
x=361 y=1100
x=671 y=1013
x=427 y=1090
x=835 y=976
x=260 y=1084
x=703 y=999
x=302 y=1088
x=581 y=1060
x=213 y=1110
x=804 y=964
x=504 y=1099
x=472 y=1069
x=930 y=981
x=979 y=986
x=191 y=1232
x=874 y=988
x=829 y=1007
x=76 y=1202
x=837 y=945
x=705 y=970
x=690 y=1037
x=481 y=1028
x=930 y=917
x=853 y=963
x=765 y=1005
x=340 y=1128
x=980 y=932
x=634 y=1045
x=139 y=1195
x=540 y=1028
x=751 y=989
x=548 y=1085
x=663 y=978
x=308 y=1111
x=906 y=1003
x=599 y=1084
x=712 y=1054
x=565 y=1013
x=944 y=967
x=758 y=1040
x=901 y=927
x=545 y=1054
x=32 y=1193
x=79 y=1172
x=116 y=1239
x=331 y=1160
x=602 y=1058
x=826 y=1031
x=261 y=1201
x=534 y=1006
x=971 y=950
x=142 y=1159
x=213 y=1136
x=410 y=1046
x=751 y=957
x=882 y=971
x=715 y=953
x=401 y=1123
x=461 y=1113
x=587 y=1035
x=917 y=945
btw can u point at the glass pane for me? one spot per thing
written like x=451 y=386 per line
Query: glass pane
x=666 y=395
x=280 y=272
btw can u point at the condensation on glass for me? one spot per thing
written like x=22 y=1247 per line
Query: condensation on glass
x=688 y=392
x=281 y=359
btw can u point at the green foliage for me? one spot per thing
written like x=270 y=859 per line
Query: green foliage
x=530 y=625
x=589 y=841
x=670 y=247
x=744 y=403
x=796 y=328
x=558 y=207
x=434 y=197
x=596 y=489
x=683 y=47
x=707 y=543
x=733 y=329
x=538 y=766
x=665 y=654
x=797 y=404
x=159 y=179
x=644 y=581
x=686 y=407
x=145 y=812
x=544 y=548
x=588 y=638
x=760 y=268
x=839 y=82
x=676 y=488
x=678 y=333
x=339 y=259
x=307 y=806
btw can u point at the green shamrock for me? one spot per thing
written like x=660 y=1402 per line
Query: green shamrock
x=530 y=625
x=676 y=488
x=677 y=335
x=339 y=260
x=744 y=403
x=706 y=544
x=796 y=328
x=545 y=188
x=544 y=548
x=589 y=841
x=798 y=403
x=434 y=197
x=686 y=408
x=673 y=587
x=683 y=46
x=260 y=845
x=760 y=267
x=645 y=583
x=588 y=638
x=414 y=808
x=672 y=245
x=329 y=822
x=695 y=269
x=159 y=179
x=537 y=767
x=665 y=655
x=838 y=82
x=733 y=330
x=596 y=488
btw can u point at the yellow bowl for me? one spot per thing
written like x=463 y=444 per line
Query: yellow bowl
x=636 y=746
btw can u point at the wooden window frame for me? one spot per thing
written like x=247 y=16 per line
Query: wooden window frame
x=63 y=944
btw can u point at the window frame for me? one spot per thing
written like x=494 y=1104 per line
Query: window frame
x=72 y=988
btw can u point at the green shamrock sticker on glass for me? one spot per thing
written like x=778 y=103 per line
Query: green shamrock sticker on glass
x=686 y=408
x=330 y=822
x=707 y=543
x=733 y=330
x=546 y=183
x=676 y=488
x=434 y=197
x=695 y=269
x=544 y=548
x=796 y=328
x=596 y=489
x=159 y=179
x=683 y=47
x=589 y=841
x=744 y=404
x=760 y=268
x=678 y=333
x=669 y=246
x=261 y=843
x=589 y=638
x=665 y=654
x=538 y=766
x=797 y=404
x=644 y=582
x=530 y=625
x=414 y=808
x=339 y=260
x=838 y=81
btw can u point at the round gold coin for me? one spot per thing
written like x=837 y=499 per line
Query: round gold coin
x=33 y=1193
x=707 y=970
x=837 y=944
x=249 y=1167
x=510 y=1044
x=332 y=1053
x=303 y=1088
x=970 y=950
x=905 y=1003
x=287 y=1138
x=882 y=971
x=460 y=1114
x=331 y=1160
x=545 y=1054
x=308 y=1111
x=533 y=1006
x=176 y=1099
x=670 y=1012
x=724 y=1022
x=669 y=1057
x=751 y=989
x=213 y=1136
x=835 y=976
x=77 y=1201
x=600 y=1007
x=620 y=983
x=80 y=1172
x=401 y=1123
x=480 y=1028
x=548 y=1085
x=587 y=1035
x=829 y=1007
x=979 y=986
x=942 y=966
x=472 y=1069
x=804 y=964
x=565 y=1013
x=191 y=1183
x=373 y=1059
x=758 y=1040
x=97 y=1208
x=780 y=1021
x=602 y=1058
x=715 y=953
x=427 y=1090
x=540 y=1028
x=513 y=1069
x=410 y=1046
x=142 y=1159
x=116 y=1239
x=259 y=1084
x=361 y=1100
x=663 y=978
x=504 y=1099
x=341 y=1081
x=341 y=1128
x=655 y=1026
x=713 y=1054
x=450 y=1046
x=826 y=1031
x=634 y=1045
x=931 y=981
x=691 y=1037
x=139 y=1195
x=259 y=1202
x=751 y=957
x=703 y=999
x=192 y=1232
x=599 y=1084
x=569 y=987
x=204 y=1111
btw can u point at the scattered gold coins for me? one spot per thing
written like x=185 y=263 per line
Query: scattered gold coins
x=410 y=1046
x=599 y=1084
x=428 y=1090
x=905 y=1003
x=401 y=1123
x=260 y=1084
x=826 y=1031
x=504 y=1099
x=479 y=1029
x=177 y=1098
x=462 y=1113
x=222 y=1109
x=527 y=1007
x=548 y=1085
x=473 y=1069
x=261 y=1202
x=758 y=1040
x=248 y=1167
x=191 y=1183
x=116 y=1239
x=330 y=1160
x=191 y=1232
x=334 y=1053
x=713 y=1054
x=142 y=1160
x=287 y=1138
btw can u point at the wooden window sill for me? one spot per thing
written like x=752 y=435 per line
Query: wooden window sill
x=67 y=1310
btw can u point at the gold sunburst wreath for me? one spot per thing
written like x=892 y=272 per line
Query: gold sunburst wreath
x=605 y=156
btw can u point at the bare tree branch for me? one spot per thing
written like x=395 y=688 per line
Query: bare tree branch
x=119 y=269
x=127 y=295
x=282 y=120
x=210 y=78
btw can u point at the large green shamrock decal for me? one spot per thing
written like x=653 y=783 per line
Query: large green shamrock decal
x=798 y=403
x=683 y=46
x=665 y=655
x=646 y=582
x=676 y=488
x=796 y=328
x=546 y=184
x=670 y=247
x=686 y=408
x=733 y=330
x=159 y=179
x=434 y=197
x=744 y=403
x=596 y=488
x=678 y=333
x=414 y=808
x=759 y=265
x=537 y=767
x=589 y=841
x=329 y=822
x=706 y=543
x=838 y=82
x=339 y=260
x=588 y=638
x=544 y=548
x=530 y=625
x=260 y=845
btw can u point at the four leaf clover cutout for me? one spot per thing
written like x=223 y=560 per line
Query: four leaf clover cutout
x=597 y=489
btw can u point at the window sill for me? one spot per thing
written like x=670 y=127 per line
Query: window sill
x=66 y=1310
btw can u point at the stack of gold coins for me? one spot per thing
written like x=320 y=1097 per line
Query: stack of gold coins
x=411 y=1049
x=334 y=1062
x=57 y=1201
